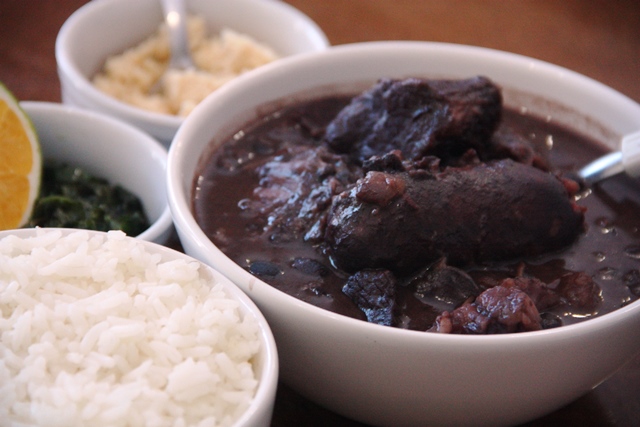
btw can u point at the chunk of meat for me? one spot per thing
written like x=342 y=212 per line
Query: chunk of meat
x=579 y=291
x=418 y=117
x=493 y=211
x=449 y=285
x=507 y=144
x=374 y=292
x=539 y=292
x=517 y=305
x=295 y=190
x=497 y=310
x=575 y=291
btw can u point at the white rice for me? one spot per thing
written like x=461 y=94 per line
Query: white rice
x=130 y=76
x=95 y=330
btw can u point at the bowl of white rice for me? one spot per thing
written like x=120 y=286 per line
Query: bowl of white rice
x=111 y=55
x=102 y=329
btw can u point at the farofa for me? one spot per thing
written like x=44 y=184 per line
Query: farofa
x=131 y=75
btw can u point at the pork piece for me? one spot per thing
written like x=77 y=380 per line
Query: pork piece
x=516 y=304
x=575 y=291
x=418 y=117
x=374 y=292
x=447 y=284
x=493 y=211
x=579 y=292
x=507 y=144
x=295 y=190
x=497 y=310
x=539 y=292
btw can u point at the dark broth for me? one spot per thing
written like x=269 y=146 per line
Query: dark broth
x=609 y=250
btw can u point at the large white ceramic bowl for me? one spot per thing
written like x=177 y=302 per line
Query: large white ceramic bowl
x=47 y=252
x=385 y=376
x=108 y=27
x=110 y=149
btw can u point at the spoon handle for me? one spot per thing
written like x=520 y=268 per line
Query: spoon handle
x=176 y=19
x=602 y=168
x=627 y=160
x=631 y=154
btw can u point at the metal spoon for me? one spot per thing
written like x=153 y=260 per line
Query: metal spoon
x=176 y=18
x=626 y=160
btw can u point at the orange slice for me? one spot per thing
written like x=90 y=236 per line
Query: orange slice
x=20 y=163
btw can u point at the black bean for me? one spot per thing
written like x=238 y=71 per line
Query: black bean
x=264 y=268
x=550 y=320
x=310 y=267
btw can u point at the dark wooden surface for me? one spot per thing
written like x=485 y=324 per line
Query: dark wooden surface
x=598 y=38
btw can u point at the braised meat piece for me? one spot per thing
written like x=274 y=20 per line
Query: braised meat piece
x=418 y=117
x=449 y=285
x=575 y=291
x=497 y=310
x=492 y=211
x=507 y=144
x=518 y=304
x=373 y=291
x=580 y=292
x=295 y=190
x=541 y=295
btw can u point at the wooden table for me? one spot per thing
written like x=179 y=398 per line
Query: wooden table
x=598 y=38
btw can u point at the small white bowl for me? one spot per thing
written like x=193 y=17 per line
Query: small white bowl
x=107 y=27
x=264 y=361
x=110 y=149
x=393 y=377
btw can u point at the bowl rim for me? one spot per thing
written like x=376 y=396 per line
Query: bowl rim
x=188 y=228
x=82 y=84
x=264 y=396
x=159 y=228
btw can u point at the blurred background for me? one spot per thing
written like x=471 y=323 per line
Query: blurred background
x=598 y=38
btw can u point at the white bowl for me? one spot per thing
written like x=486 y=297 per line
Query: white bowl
x=110 y=149
x=107 y=27
x=387 y=376
x=265 y=360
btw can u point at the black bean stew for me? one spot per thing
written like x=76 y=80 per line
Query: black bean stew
x=424 y=205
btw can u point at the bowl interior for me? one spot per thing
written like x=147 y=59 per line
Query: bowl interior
x=109 y=149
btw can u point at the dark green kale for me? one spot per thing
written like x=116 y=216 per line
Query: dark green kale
x=72 y=198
